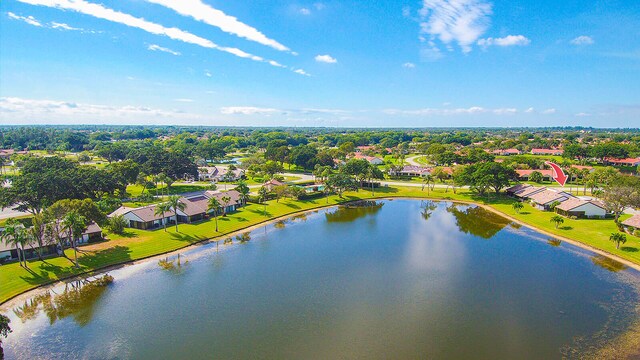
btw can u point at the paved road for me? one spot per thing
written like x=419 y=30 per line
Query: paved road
x=412 y=160
x=9 y=212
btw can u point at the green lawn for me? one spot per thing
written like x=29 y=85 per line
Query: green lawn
x=138 y=244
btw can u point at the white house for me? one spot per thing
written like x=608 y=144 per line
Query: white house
x=582 y=208
x=543 y=199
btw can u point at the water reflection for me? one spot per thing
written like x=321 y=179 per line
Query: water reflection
x=554 y=242
x=608 y=263
x=477 y=221
x=427 y=209
x=349 y=213
x=78 y=300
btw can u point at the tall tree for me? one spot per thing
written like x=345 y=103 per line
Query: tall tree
x=175 y=204
x=622 y=192
x=75 y=224
x=160 y=210
x=214 y=205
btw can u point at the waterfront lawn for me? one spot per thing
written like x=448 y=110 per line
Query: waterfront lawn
x=138 y=244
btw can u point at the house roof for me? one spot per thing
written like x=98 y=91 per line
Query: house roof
x=234 y=195
x=573 y=203
x=547 y=151
x=145 y=213
x=528 y=172
x=195 y=205
x=547 y=196
x=415 y=169
x=629 y=161
x=517 y=188
x=529 y=191
x=633 y=221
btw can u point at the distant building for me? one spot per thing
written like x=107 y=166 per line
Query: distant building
x=269 y=185
x=555 y=152
x=507 y=152
x=208 y=173
x=632 y=224
x=411 y=171
x=371 y=159
x=624 y=162
x=524 y=175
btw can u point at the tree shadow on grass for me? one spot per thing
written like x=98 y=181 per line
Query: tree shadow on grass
x=187 y=237
x=524 y=213
x=629 y=249
x=129 y=234
x=95 y=259
x=566 y=228
x=292 y=205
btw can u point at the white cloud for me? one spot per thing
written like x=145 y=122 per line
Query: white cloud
x=459 y=21
x=582 y=40
x=305 y=11
x=301 y=72
x=549 y=111
x=214 y=17
x=583 y=114
x=154 y=47
x=184 y=100
x=319 y=6
x=449 y=112
x=326 y=59
x=510 y=40
x=248 y=110
x=409 y=65
x=63 y=26
x=102 y=12
x=208 y=73
x=530 y=110
x=13 y=109
x=28 y=19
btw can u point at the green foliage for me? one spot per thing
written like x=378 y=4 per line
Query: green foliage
x=618 y=238
x=117 y=224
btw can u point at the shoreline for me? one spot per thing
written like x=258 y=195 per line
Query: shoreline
x=23 y=296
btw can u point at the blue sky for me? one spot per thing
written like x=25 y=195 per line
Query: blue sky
x=321 y=63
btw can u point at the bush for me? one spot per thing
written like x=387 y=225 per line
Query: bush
x=311 y=195
x=117 y=224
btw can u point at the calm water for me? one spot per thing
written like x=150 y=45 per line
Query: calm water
x=406 y=279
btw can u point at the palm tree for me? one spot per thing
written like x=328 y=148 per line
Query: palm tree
x=618 y=238
x=225 y=200
x=557 y=219
x=427 y=180
x=174 y=205
x=244 y=191
x=160 y=210
x=517 y=206
x=75 y=225
x=12 y=235
x=263 y=192
x=214 y=205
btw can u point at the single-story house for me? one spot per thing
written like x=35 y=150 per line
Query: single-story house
x=632 y=224
x=196 y=208
x=235 y=199
x=411 y=171
x=544 y=199
x=371 y=159
x=227 y=175
x=93 y=232
x=624 y=162
x=526 y=192
x=547 y=152
x=582 y=208
x=365 y=148
x=144 y=218
x=507 y=152
x=517 y=188
x=547 y=174
x=269 y=185
x=208 y=173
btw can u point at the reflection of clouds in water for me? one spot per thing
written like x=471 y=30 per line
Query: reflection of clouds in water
x=116 y=347
x=434 y=244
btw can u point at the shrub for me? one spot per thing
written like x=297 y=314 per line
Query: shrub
x=117 y=224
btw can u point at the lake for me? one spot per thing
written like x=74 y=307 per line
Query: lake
x=398 y=279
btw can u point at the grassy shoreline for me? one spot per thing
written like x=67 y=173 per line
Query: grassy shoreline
x=138 y=245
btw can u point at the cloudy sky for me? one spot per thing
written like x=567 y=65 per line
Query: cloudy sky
x=385 y=63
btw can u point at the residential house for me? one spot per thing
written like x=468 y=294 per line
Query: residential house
x=556 y=152
x=544 y=199
x=144 y=218
x=624 y=162
x=526 y=192
x=235 y=199
x=371 y=159
x=208 y=173
x=507 y=152
x=93 y=232
x=582 y=208
x=411 y=171
x=269 y=185
x=524 y=175
x=517 y=188
x=229 y=175
x=632 y=224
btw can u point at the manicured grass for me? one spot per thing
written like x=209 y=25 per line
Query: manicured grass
x=138 y=244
